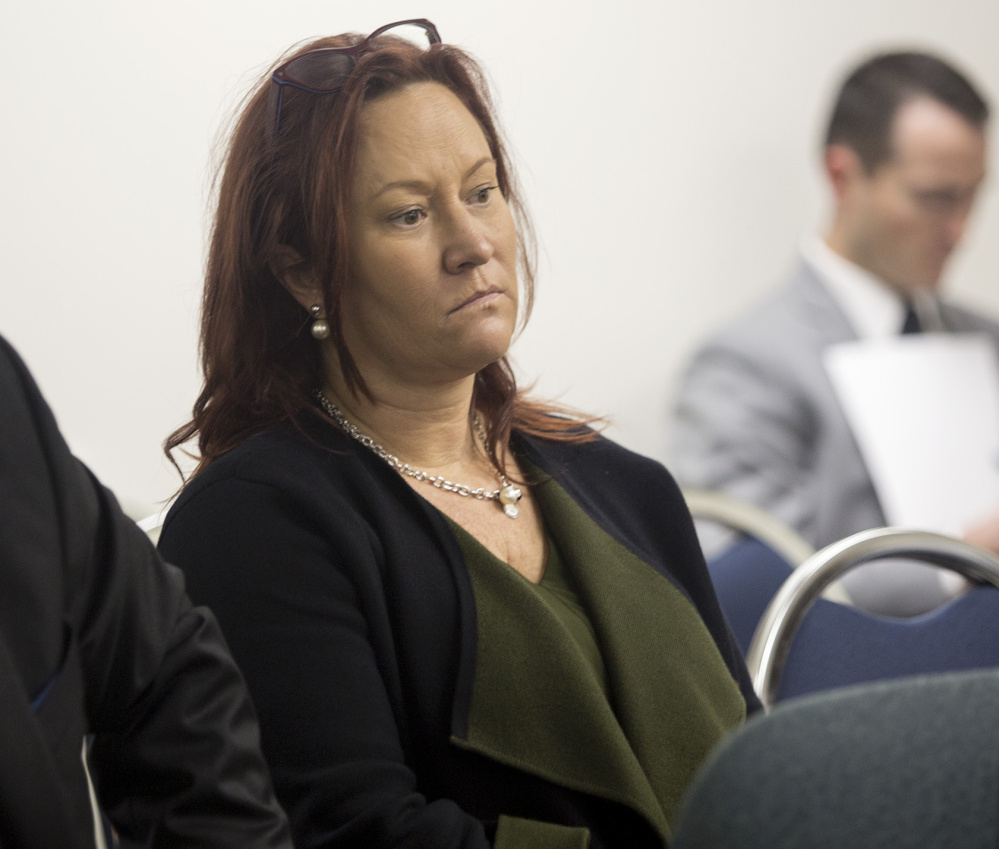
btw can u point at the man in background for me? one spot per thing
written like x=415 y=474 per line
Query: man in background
x=757 y=415
x=97 y=637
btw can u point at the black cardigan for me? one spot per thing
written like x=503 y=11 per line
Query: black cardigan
x=345 y=598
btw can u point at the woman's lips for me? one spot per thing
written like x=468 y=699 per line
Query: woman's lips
x=483 y=298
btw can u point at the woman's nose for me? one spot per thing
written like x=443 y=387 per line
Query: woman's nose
x=468 y=244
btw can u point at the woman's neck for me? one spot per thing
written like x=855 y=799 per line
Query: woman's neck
x=427 y=427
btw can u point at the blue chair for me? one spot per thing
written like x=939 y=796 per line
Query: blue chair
x=805 y=644
x=750 y=570
x=746 y=577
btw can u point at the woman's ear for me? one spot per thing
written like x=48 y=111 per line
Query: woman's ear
x=296 y=276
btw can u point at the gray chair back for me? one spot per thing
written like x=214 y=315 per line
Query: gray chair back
x=901 y=764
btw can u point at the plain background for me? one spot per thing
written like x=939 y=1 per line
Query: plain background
x=668 y=151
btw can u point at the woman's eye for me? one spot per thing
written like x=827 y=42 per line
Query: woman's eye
x=410 y=217
x=482 y=195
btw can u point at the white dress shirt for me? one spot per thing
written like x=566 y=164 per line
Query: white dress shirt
x=874 y=310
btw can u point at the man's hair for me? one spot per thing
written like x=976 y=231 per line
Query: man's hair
x=872 y=95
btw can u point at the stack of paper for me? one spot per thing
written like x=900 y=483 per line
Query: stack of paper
x=925 y=413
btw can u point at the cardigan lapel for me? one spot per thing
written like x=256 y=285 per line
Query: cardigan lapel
x=536 y=704
x=672 y=693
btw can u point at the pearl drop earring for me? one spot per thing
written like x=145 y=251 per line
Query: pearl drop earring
x=320 y=327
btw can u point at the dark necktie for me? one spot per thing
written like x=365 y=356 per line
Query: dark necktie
x=911 y=323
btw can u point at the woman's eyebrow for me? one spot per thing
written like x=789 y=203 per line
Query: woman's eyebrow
x=486 y=160
x=422 y=186
x=413 y=185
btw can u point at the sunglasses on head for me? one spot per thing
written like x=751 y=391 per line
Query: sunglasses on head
x=325 y=70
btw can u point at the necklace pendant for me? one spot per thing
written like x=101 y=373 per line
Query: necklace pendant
x=509 y=495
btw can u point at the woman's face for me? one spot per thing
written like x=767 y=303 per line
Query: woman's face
x=432 y=295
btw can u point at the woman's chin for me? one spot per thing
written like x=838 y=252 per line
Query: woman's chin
x=478 y=360
x=474 y=360
x=450 y=366
x=491 y=350
x=479 y=346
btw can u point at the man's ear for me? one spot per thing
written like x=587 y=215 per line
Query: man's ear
x=843 y=168
x=296 y=276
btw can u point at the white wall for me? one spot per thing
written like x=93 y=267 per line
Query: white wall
x=668 y=151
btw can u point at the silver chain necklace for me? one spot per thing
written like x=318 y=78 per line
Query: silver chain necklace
x=506 y=496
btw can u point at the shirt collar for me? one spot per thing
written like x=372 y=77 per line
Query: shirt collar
x=873 y=310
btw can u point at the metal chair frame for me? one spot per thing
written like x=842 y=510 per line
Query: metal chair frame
x=748 y=519
x=771 y=643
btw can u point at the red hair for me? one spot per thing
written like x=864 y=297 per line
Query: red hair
x=259 y=359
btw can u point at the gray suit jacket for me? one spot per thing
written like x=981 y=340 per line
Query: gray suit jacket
x=757 y=417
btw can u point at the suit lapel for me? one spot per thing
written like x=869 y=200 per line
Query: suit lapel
x=817 y=308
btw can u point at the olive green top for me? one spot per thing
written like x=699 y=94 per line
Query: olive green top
x=634 y=734
x=558 y=592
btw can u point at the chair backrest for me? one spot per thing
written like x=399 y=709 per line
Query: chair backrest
x=792 y=654
x=746 y=577
x=904 y=764
x=749 y=520
x=750 y=569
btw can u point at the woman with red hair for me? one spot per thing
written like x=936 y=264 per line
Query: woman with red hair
x=466 y=619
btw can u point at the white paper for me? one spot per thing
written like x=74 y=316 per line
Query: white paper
x=925 y=412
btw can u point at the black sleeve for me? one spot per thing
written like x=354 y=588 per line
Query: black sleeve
x=175 y=755
x=290 y=601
